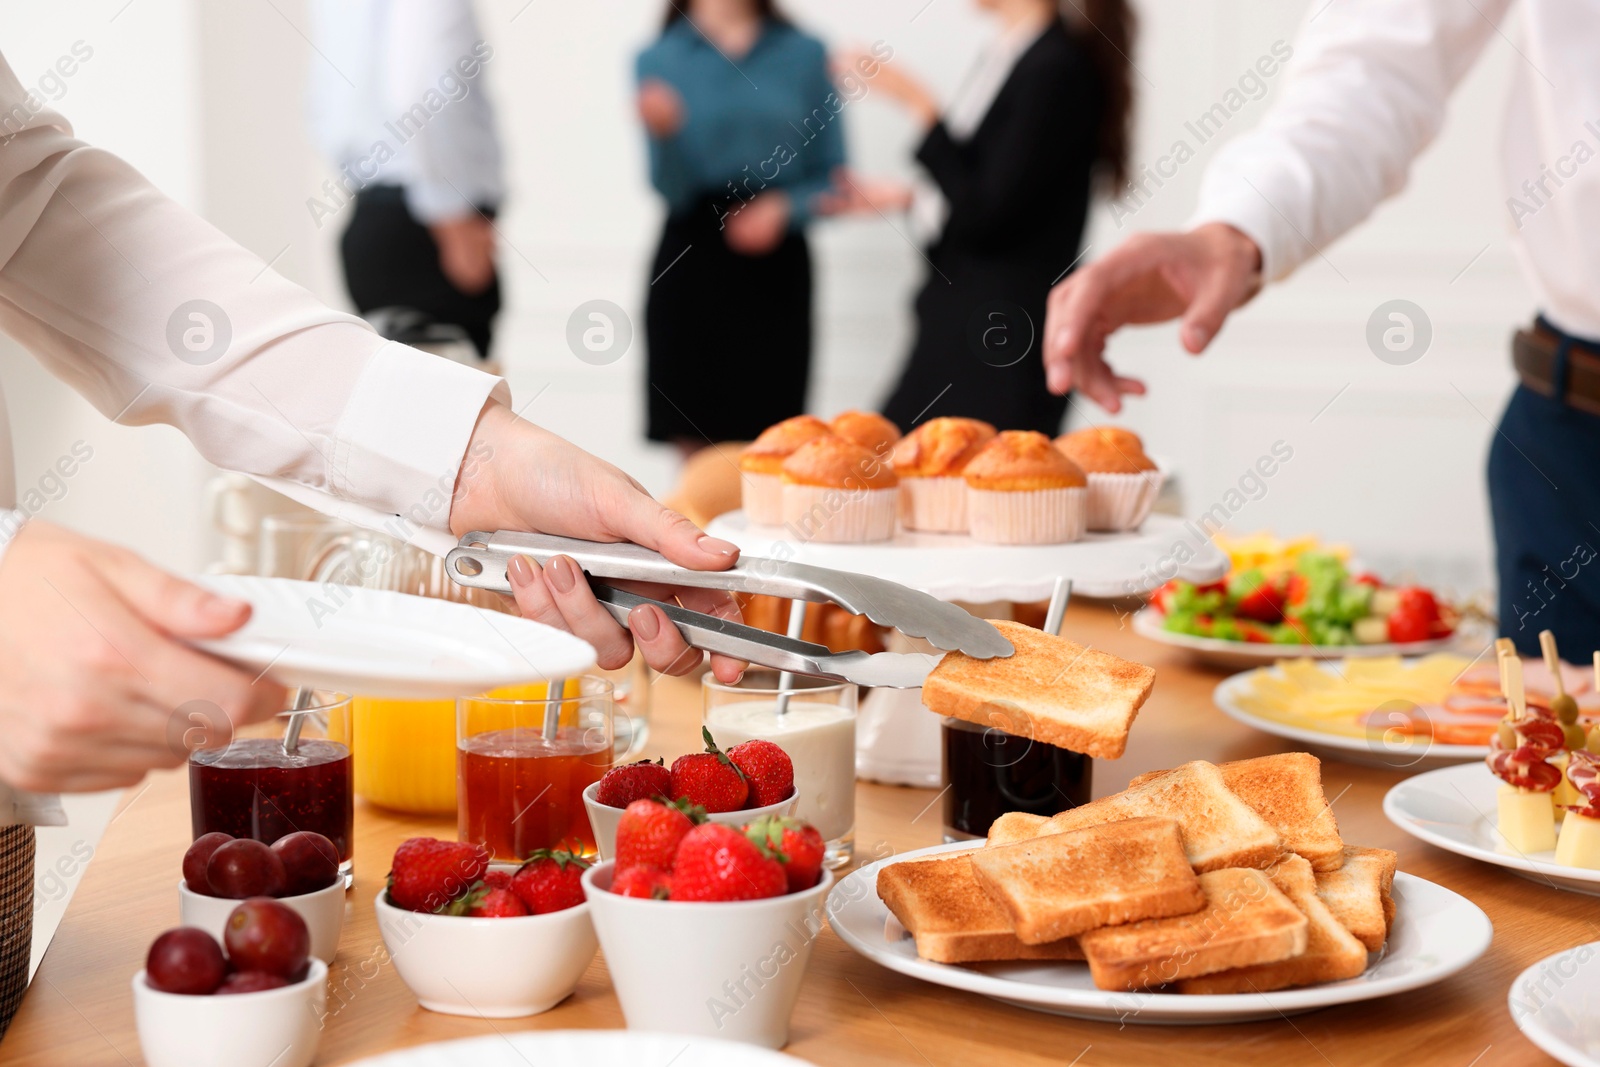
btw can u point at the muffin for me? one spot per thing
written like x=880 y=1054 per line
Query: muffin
x=1123 y=481
x=868 y=429
x=930 y=461
x=835 y=490
x=761 y=460
x=1021 y=490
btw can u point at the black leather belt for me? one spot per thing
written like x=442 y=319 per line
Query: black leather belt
x=1558 y=365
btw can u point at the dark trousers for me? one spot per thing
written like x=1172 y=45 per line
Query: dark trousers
x=16 y=917
x=390 y=260
x=1544 y=494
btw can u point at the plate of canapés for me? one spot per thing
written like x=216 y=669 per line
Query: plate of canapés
x=1299 y=598
x=1532 y=805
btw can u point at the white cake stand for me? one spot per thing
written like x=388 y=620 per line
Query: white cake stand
x=897 y=740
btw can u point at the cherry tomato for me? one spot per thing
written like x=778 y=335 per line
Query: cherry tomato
x=1415 y=598
x=1368 y=579
x=1409 y=625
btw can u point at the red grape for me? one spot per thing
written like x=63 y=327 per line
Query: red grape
x=195 y=860
x=245 y=868
x=250 y=982
x=264 y=935
x=185 y=960
x=310 y=862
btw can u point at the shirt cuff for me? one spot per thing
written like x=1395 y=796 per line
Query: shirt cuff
x=11 y=522
x=404 y=433
x=429 y=203
x=1247 y=212
x=30 y=809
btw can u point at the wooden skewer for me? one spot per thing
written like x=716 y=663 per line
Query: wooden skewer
x=1552 y=661
x=1597 y=670
x=1515 y=694
x=1503 y=653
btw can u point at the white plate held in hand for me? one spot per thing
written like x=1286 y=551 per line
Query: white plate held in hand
x=1436 y=933
x=384 y=644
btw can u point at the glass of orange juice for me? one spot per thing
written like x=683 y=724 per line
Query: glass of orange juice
x=523 y=759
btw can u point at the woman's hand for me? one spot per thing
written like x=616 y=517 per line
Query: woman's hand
x=93 y=668
x=859 y=194
x=660 y=108
x=756 y=227
x=892 y=81
x=521 y=477
x=466 y=252
x=1201 y=275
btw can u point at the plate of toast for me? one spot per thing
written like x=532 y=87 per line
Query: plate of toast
x=1201 y=894
x=1459 y=810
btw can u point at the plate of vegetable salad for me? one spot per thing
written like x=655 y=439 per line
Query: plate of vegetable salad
x=1314 y=606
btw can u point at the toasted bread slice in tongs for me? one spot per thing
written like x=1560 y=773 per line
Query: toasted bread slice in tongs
x=480 y=561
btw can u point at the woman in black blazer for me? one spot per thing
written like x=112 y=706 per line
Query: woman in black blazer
x=1015 y=178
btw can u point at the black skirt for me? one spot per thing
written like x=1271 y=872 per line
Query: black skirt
x=980 y=329
x=728 y=335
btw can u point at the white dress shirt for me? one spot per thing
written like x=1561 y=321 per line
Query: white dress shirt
x=406 y=77
x=1365 y=93
x=97 y=274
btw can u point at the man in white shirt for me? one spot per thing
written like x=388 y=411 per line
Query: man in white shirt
x=398 y=103
x=1367 y=90
x=99 y=277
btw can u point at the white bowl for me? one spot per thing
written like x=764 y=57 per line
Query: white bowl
x=603 y=818
x=323 y=912
x=730 y=970
x=274 y=1028
x=488 y=968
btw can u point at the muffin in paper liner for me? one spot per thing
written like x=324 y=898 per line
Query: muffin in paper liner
x=763 y=498
x=1027 y=516
x=828 y=514
x=1119 y=502
x=938 y=504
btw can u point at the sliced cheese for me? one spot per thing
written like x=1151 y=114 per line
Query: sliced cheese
x=1579 y=845
x=1527 y=821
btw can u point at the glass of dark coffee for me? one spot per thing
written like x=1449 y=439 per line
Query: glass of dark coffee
x=990 y=770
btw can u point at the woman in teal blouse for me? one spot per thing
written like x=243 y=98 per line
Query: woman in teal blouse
x=745 y=135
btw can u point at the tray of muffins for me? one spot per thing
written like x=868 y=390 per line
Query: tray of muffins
x=962 y=510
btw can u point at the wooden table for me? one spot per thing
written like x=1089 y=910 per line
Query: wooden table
x=79 y=1010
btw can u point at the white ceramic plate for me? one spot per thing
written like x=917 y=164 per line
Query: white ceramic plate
x=582 y=1048
x=1379 y=748
x=1456 y=809
x=955 y=567
x=1556 y=1005
x=1242 y=654
x=1436 y=933
x=387 y=644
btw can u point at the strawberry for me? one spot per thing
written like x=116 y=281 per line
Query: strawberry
x=427 y=874
x=550 y=880
x=768 y=770
x=649 y=831
x=645 y=882
x=717 y=862
x=488 y=902
x=797 y=845
x=498 y=879
x=621 y=786
x=709 y=779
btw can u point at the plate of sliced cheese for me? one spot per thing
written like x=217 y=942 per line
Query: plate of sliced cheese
x=1202 y=894
x=1468 y=811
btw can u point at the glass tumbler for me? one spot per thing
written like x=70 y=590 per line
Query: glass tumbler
x=817 y=728
x=523 y=761
x=272 y=779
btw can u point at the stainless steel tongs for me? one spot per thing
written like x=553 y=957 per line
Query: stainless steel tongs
x=481 y=558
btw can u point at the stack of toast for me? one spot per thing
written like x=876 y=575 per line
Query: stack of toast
x=1204 y=878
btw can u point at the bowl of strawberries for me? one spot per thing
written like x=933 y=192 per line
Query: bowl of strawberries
x=736 y=787
x=707 y=926
x=489 y=940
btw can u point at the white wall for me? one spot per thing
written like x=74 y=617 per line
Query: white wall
x=206 y=98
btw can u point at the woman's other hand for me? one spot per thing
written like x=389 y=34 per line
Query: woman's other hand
x=890 y=80
x=94 y=670
x=755 y=227
x=466 y=252
x=660 y=108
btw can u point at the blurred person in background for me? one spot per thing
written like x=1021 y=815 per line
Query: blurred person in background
x=398 y=103
x=100 y=278
x=1011 y=163
x=743 y=170
x=1367 y=91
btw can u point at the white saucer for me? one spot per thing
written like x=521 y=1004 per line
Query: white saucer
x=1556 y=1005
x=1456 y=809
x=1378 y=748
x=591 y=1048
x=1234 y=655
x=1436 y=933
x=382 y=644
